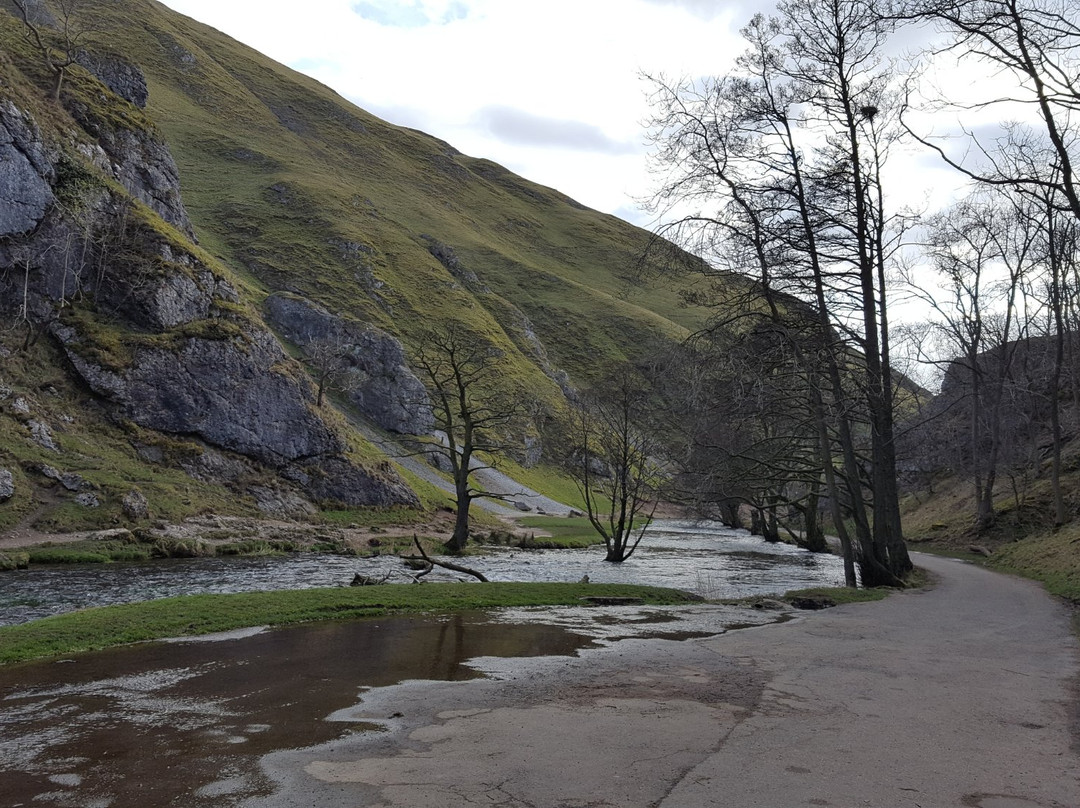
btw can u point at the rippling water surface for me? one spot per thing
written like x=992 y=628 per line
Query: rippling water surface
x=702 y=557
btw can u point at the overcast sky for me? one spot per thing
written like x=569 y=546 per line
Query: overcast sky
x=551 y=89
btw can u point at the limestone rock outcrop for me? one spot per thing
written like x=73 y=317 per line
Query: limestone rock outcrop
x=25 y=190
x=150 y=326
x=118 y=74
x=374 y=374
x=231 y=393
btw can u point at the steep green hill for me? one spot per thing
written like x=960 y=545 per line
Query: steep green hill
x=309 y=213
x=289 y=182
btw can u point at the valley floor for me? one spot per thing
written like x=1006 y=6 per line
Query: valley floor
x=960 y=695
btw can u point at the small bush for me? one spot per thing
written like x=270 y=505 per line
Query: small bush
x=14 y=561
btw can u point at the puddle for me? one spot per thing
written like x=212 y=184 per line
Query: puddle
x=186 y=724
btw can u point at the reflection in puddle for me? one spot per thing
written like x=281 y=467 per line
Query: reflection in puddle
x=186 y=723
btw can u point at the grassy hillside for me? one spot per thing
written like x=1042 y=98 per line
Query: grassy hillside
x=1023 y=538
x=291 y=188
x=304 y=192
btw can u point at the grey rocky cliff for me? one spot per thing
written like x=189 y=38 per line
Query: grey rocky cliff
x=375 y=375
x=145 y=167
x=173 y=288
x=137 y=156
x=151 y=329
x=243 y=396
x=118 y=74
x=231 y=393
x=25 y=173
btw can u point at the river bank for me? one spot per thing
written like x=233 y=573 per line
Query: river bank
x=960 y=695
x=702 y=557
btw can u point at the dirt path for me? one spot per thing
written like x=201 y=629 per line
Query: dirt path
x=959 y=696
x=483 y=477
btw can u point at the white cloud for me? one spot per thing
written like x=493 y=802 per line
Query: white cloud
x=512 y=126
x=532 y=85
x=417 y=14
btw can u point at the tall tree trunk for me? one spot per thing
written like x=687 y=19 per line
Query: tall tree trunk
x=57 y=83
x=460 y=536
x=813 y=536
x=1057 y=259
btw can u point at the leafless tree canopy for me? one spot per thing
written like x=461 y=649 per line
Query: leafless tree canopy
x=473 y=410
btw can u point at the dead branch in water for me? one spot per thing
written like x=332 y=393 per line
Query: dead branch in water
x=444 y=564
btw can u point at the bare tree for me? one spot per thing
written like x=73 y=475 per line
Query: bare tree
x=982 y=252
x=58 y=43
x=1036 y=43
x=327 y=358
x=790 y=149
x=473 y=409
x=613 y=463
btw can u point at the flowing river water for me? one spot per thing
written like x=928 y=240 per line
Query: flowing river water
x=703 y=557
x=190 y=723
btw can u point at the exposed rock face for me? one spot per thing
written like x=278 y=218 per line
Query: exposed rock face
x=7 y=485
x=135 y=505
x=136 y=157
x=164 y=342
x=69 y=479
x=118 y=74
x=238 y=395
x=447 y=256
x=145 y=167
x=375 y=375
x=336 y=480
x=41 y=434
x=36 y=10
x=88 y=500
x=534 y=452
x=25 y=192
x=228 y=392
x=165 y=299
x=280 y=504
x=210 y=465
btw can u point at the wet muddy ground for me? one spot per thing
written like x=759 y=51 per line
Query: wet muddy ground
x=188 y=723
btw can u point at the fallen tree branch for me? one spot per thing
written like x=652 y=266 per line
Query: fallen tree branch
x=447 y=564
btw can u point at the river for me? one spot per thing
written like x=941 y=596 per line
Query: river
x=702 y=557
x=193 y=723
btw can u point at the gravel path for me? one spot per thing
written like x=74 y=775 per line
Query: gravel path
x=963 y=695
x=488 y=479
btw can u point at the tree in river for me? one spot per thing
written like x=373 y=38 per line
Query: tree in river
x=473 y=411
x=758 y=444
x=613 y=462
x=780 y=166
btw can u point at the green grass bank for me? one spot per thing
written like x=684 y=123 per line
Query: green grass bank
x=192 y=615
